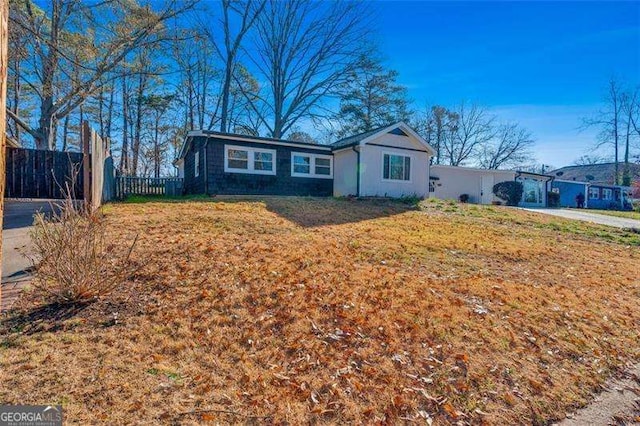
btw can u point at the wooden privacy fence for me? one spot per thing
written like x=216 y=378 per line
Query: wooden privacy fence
x=33 y=173
x=126 y=185
x=97 y=169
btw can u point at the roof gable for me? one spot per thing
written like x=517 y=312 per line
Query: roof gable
x=400 y=129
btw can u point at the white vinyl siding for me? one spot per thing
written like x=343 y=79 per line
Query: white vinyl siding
x=311 y=165
x=242 y=159
x=396 y=167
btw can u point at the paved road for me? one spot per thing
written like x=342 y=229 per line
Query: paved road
x=586 y=216
x=18 y=220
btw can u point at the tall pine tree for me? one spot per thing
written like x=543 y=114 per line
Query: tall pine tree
x=371 y=98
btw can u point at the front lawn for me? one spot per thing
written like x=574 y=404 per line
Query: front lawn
x=627 y=214
x=297 y=310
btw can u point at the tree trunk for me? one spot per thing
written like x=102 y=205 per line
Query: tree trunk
x=4 y=42
x=16 y=98
x=156 y=151
x=224 y=113
x=109 y=114
x=138 y=125
x=124 y=156
x=65 y=133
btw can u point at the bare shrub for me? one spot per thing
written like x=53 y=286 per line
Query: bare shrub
x=71 y=255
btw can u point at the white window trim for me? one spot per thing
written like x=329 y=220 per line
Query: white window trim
x=598 y=193
x=196 y=164
x=400 y=154
x=250 y=160
x=607 y=194
x=312 y=165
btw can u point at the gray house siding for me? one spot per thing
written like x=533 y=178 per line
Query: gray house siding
x=224 y=183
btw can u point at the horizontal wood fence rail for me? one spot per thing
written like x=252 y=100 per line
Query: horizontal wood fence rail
x=126 y=186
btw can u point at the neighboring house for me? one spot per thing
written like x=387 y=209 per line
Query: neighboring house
x=596 y=196
x=450 y=182
x=392 y=161
x=603 y=173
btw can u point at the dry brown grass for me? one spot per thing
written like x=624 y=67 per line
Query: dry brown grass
x=303 y=310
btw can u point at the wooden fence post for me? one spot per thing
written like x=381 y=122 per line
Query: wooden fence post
x=86 y=163
x=4 y=43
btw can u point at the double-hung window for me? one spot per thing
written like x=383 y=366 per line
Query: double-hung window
x=396 y=167
x=311 y=165
x=607 y=194
x=242 y=159
x=594 y=193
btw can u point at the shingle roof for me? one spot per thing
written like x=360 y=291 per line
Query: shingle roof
x=602 y=173
x=355 y=139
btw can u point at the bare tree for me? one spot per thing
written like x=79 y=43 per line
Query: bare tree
x=471 y=129
x=587 y=160
x=630 y=111
x=119 y=27
x=435 y=124
x=511 y=146
x=303 y=50
x=609 y=120
x=245 y=13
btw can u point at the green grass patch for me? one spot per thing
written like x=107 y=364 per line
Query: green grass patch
x=141 y=199
x=626 y=214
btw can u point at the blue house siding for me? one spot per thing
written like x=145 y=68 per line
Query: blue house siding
x=569 y=191
x=613 y=203
x=229 y=183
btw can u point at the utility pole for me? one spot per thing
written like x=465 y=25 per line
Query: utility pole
x=4 y=58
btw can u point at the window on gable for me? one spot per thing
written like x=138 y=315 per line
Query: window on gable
x=240 y=159
x=196 y=164
x=594 y=193
x=311 y=165
x=396 y=167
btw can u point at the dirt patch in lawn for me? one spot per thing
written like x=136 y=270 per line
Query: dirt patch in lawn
x=320 y=310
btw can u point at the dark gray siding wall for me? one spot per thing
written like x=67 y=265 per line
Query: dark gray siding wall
x=219 y=182
x=193 y=184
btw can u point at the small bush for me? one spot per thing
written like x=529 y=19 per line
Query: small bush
x=509 y=191
x=464 y=198
x=72 y=259
x=553 y=199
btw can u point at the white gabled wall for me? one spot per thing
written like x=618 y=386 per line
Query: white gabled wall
x=371 y=163
x=345 y=177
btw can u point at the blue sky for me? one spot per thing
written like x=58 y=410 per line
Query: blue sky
x=544 y=64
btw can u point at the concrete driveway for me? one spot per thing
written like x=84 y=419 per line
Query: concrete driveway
x=586 y=216
x=18 y=220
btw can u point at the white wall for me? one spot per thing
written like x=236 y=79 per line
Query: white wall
x=371 y=163
x=455 y=181
x=345 y=169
